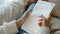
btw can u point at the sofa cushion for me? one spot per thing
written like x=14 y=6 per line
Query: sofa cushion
x=55 y=23
x=57 y=32
x=56 y=10
x=11 y=10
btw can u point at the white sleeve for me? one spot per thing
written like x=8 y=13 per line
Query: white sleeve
x=10 y=28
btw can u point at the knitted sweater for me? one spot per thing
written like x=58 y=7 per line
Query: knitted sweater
x=10 y=10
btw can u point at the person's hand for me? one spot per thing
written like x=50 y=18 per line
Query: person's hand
x=43 y=22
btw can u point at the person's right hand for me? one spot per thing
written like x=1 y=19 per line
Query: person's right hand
x=43 y=22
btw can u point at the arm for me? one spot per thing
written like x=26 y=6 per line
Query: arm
x=20 y=22
x=12 y=26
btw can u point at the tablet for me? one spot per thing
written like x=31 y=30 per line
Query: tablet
x=41 y=8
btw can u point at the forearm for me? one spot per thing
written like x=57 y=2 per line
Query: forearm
x=20 y=22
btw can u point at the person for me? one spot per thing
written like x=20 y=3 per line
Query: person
x=46 y=22
x=13 y=26
x=11 y=10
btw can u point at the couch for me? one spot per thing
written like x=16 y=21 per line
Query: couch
x=55 y=17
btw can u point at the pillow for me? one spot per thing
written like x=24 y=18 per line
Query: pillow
x=56 y=10
x=57 y=32
x=10 y=10
x=55 y=23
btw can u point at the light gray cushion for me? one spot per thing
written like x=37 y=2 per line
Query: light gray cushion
x=10 y=10
x=56 y=10
x=55 y=23
x=57 y=32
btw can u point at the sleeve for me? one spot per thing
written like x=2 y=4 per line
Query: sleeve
x=10 y=28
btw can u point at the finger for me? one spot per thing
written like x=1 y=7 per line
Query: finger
x=40 y=24
x=40 y=19
x=47 y=24
x=49 y=18
x=43 y=18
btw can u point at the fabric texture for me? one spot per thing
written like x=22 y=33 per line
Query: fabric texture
x=56 y=10
x=57 y=32
x=2 y=30
x=9 y=28
x=10 y=10
x=55 y=23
